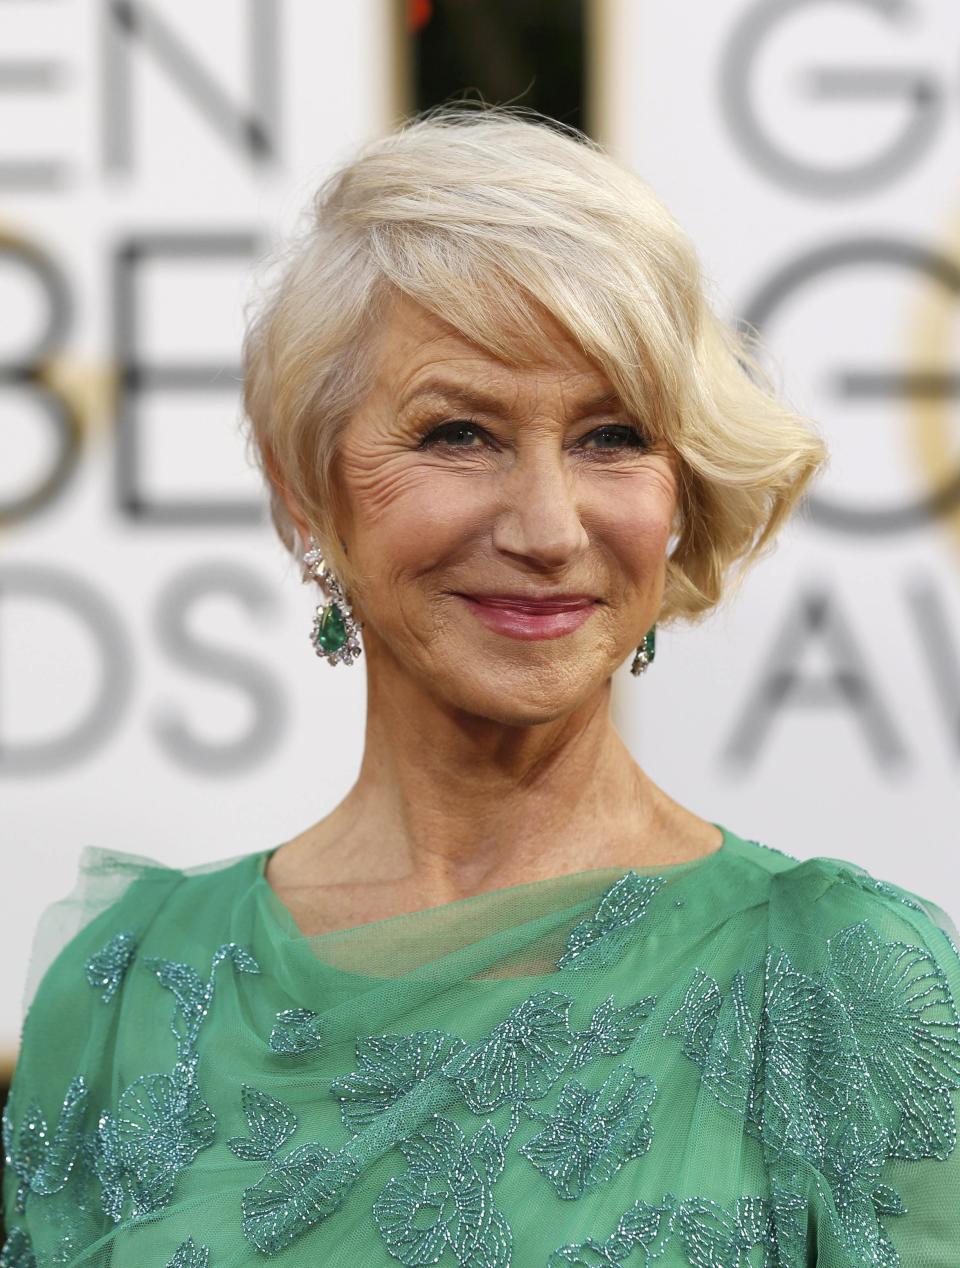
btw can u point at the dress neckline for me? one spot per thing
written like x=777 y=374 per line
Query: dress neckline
x=502 y=894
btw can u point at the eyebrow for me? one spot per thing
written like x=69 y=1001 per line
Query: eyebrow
x=473 y=398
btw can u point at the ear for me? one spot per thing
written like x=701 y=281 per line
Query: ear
x=292 y=508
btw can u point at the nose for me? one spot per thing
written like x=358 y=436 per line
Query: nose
x=539 y=519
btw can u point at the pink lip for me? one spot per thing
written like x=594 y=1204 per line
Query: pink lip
x=528 y=618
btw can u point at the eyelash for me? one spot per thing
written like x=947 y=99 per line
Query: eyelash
x=430 y=438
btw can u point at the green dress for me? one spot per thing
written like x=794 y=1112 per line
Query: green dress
x=739 y=1061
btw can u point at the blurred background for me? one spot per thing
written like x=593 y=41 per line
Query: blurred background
x=158 y=693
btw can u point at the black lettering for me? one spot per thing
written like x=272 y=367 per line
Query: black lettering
x=783 y=685
x=215 y=661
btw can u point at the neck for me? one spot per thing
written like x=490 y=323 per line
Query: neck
x=448 y=804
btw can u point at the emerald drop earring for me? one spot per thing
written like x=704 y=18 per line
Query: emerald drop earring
x=645 y=652
x=335 y=633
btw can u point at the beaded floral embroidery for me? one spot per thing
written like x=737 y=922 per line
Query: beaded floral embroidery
x=520 y=1059
x=611 y=1030
x=389 y=1066
x=601 y=938
x=590 y=1135
x=643 y=1229
x=840 y=1072
x=107 y=967
x=445 y=1199
x=43 y=1162
x=831 y=1073
x=271 y=1124
x=295 y=1031
x=300 y=1189
x=403 y=1080
x=712 y=1236
x=17 y=1252
x=136 y=1153
x=162 y=1122
x=190 y=1255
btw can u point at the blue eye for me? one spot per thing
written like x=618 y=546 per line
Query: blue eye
x=448 y=433
x=457 y=433
x=623 y=437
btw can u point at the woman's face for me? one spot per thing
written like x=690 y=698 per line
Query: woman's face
x=462 y=476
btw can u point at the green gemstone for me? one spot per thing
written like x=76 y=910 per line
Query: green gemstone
x=650 y=642
x=331 y=635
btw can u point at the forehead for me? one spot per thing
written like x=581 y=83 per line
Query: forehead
x=413 y=342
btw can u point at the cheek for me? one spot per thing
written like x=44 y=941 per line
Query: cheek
x=635 y=516
x=375 y=483
x=407 y=519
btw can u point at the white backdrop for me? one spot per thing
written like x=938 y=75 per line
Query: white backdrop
x=158 y=693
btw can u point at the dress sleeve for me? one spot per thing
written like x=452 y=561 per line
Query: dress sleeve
x=104 y=879
x=895 y=968
x=81 y=948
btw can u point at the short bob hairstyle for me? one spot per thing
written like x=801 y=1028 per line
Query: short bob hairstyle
x=487 y=217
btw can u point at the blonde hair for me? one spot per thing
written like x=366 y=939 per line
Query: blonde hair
x=487 y=217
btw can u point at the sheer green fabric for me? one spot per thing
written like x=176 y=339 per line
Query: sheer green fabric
x=744 y=1060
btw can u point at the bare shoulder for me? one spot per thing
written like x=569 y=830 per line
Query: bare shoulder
x=294 y=864
x=289 y=866
x=682 y=835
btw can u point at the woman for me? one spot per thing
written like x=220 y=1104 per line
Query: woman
x=509 y=1002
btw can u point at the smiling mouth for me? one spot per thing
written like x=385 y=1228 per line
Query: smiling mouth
x=536 y=607
x=530 y=618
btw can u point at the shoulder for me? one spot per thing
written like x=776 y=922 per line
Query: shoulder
x=821 y=895
x=125 y=917
x=120 y=904
x=857 y=978
x=877 y=968
x=97 y=1019
x=833 y=894
x=112 y=892
x=833 y=1031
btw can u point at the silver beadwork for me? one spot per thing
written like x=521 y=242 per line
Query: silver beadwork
x=832 y=1070
x=106 y=969
x=350 y=648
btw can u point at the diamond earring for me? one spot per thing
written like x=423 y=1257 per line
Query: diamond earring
x=645 y=652
x=335 y=633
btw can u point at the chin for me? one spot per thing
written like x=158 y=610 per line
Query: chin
x=519 y=697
